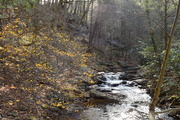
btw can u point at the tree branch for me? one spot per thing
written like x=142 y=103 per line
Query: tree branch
x=168 y=110
x=158 y=24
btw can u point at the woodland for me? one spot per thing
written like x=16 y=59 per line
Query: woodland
x=50 y=51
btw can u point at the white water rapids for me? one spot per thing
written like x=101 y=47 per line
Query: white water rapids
x=134 y=106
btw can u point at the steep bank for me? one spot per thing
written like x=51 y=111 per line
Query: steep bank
x=44 y=80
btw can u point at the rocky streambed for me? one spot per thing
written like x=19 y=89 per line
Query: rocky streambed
x=118 y=96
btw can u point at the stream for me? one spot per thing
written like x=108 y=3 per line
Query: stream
x=121 y=100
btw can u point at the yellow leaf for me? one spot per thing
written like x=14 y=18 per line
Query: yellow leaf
x=11 y=103
x=12 y=87
x=41 y=85
x=1 y=48
x=76 y=110
x=44 y=106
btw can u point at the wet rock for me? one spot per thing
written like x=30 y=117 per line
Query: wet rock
x=105 y=95
x=134 y=105
x=127 y=77
x=131 y=84
x=140 y=81
x=93 y=87
x=124 y=82
x=106 y=90
x=101 y=85
x=114 y=85
x=99 y=79
x=97 y=94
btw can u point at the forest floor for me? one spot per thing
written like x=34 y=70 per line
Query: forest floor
x=60 y=99
x=37 y=101
x=45 y=79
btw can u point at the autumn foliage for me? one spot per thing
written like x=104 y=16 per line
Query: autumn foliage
x=40 y=68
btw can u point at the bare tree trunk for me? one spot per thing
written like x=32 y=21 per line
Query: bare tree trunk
x=165 y=21
x=163 y=68
x=72 y=6
x=86 y=11
x=151 y=31
x=75 y=9
x=91 y=27
x=153 y=41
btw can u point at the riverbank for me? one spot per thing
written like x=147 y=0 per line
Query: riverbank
x=45 y=80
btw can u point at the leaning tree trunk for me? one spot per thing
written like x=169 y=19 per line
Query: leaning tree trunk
x=163 y=68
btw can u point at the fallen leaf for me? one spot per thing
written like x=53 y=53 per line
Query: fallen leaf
x=12 y=87
x=11 y=103
x=33 y=118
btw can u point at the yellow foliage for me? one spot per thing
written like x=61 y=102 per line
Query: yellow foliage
x=87 y=74
x=10 y=103
x=1 y=48
x=12 y=87
x=70 y=50
x=43 y=66
x=58 y=104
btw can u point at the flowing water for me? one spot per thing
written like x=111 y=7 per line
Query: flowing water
x=132 y=102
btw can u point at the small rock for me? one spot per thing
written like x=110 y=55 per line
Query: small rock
x=134 y=105
x=106 y=90
x=124 y=82
x=114 y=85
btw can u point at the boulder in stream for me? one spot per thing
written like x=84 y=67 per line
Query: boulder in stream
x=140 y=81
x=105 y=95
x=99 y=78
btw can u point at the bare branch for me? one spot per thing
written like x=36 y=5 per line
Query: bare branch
x=168 y=110
x=158 y=24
